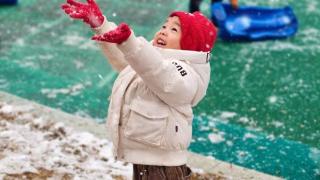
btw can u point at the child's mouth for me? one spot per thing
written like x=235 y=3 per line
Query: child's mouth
x=161 y=42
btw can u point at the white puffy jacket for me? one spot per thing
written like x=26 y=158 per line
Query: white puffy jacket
x=150 y=111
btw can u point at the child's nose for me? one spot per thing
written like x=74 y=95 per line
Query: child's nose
x=163 y=32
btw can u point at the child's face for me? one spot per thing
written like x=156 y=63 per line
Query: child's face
x=169 y=35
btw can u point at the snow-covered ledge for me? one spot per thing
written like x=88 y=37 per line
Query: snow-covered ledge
x=79 y=124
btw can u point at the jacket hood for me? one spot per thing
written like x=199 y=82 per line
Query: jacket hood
x=194 y=57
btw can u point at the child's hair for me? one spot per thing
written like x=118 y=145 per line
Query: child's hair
x=197 y=32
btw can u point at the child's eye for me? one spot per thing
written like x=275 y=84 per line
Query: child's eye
x=163 y=27
x=174 y=29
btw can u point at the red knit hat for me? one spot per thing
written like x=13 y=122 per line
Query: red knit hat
x=197 y=32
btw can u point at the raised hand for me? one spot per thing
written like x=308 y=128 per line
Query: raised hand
x=118 y=35
x=89 y=12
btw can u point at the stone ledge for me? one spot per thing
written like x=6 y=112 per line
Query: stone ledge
x=227 y=170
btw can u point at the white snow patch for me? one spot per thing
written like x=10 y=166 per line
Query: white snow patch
x=10 y=109
x=277 y=124
x=78 y=64
x=271 y=137
x=216 y=138
x=20 y=42
x=89 y=45
x=249 y=136
x=72 y=90
x=29 y=64
x=227 y=115
x=73 y=40
x=272 y=99
x=6 y=108
x=312 y=6
x=244 y=120
x=46 y=56
x=33 y=30
x=13 y=164
x=229 y=143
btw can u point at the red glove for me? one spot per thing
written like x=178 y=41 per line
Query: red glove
x=118 y=35
x=90 y=13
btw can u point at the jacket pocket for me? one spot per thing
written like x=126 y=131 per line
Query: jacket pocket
x=178 y=134
x=147 y=122
x=179 y=129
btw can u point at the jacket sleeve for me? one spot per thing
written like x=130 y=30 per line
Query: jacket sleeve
x=110 y=50
x=174 y=81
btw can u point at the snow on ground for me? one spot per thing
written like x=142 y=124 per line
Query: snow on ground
x=34 y=146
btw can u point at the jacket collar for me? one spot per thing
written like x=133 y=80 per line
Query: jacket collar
x=193 y=57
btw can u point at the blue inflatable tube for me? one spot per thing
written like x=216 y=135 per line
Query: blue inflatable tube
x=249 y=23
x=8 y=2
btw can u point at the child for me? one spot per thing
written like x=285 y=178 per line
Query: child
x=150 y=112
